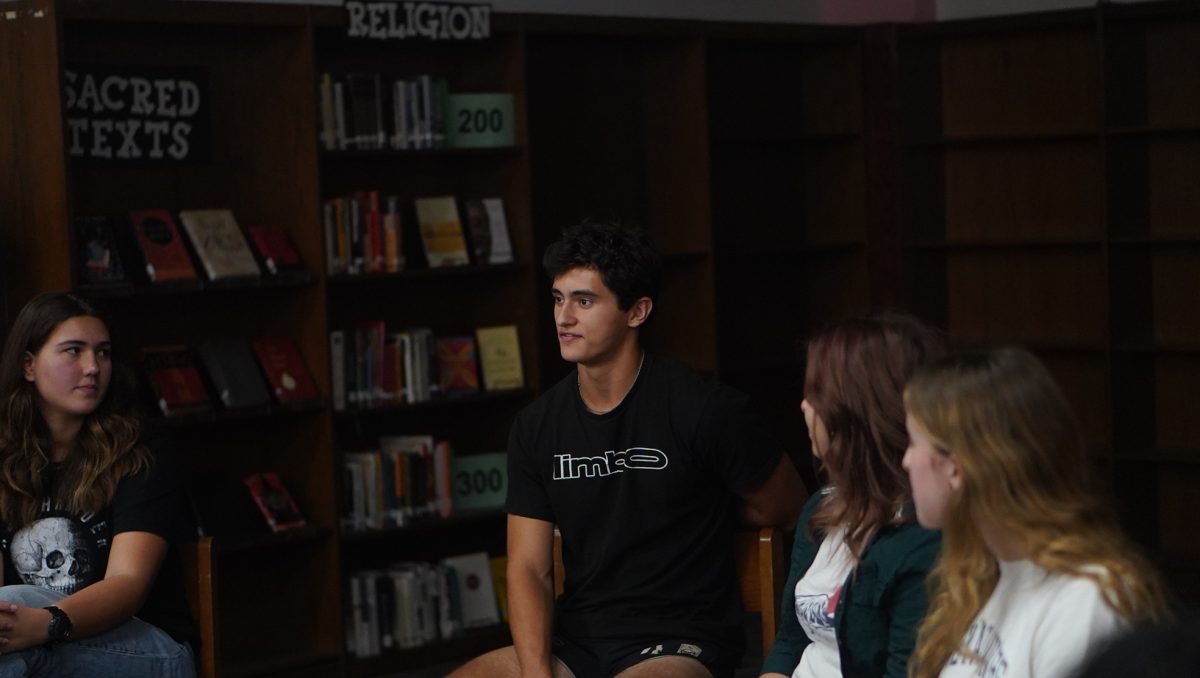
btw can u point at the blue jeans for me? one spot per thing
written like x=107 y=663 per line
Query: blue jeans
x=131 y=650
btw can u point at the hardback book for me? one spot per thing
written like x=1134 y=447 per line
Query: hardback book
x=96 y=246
x=223 y=507
x=456 y=366
x=364 y=96
x=477 y=595
x=274 y=501
x=487 y=227
x=219 y=244
x=500 y=357
x=441 y=232
x=289 y=378
x=234 y=373
x=162 y=247
x=175 y=380
x=274 y=248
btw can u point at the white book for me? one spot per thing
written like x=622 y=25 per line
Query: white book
x=477 y=594
x=502 y=252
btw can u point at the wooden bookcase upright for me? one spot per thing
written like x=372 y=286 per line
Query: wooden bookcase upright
x=449 y=301
x=278 y=601
x=1048 y=166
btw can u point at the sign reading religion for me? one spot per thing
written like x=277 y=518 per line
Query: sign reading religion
x=137 y=114
x=418 y=20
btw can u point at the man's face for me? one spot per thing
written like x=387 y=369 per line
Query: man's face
x=591 y=326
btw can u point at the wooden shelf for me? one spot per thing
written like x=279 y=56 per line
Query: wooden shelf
x=464 y=400
x=1009 y=243
x=790 y=251
x=421 y=154
x=218 y=416
x=1178 y=240
x=1006 y=139
x=347 y=280
x=726 y=143
x=285 y=280
x=1137 y=131
x=458 y=520
x=1174 y=456
x=270 y=542
x=1159 y=349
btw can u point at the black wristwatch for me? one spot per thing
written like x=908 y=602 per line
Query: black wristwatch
x=60 y=625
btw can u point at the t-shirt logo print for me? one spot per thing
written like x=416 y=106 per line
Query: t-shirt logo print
x=568 y=467
x=53 y=553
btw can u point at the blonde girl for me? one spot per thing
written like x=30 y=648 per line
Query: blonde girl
x=1034 y=572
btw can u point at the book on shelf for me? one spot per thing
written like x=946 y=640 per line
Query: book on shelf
x=161 y=244
x=456 y=365
x=97 y=252
x=499 y=565
x=219 y=243
x=274 y=501
x=175 y=380
x=500 y=357
x=475 y=589
x=234 y=373
x=274 y=249
x=487 y=227
x=288 y=376
x=337 y=369
x=393 y=243
x=223 y=508
x=441 y=232
x=364 y=115
x=329 y=139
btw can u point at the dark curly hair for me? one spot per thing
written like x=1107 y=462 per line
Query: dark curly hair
x=624 y=257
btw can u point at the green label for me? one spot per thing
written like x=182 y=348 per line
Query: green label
x=479 y=120
x=480 y=480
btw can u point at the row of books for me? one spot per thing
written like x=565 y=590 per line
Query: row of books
x=153 y=239
x=238 y=374
x=403 y=480
x=374 y=367
x=365 y=233
x=353 y=111
x=410 y=604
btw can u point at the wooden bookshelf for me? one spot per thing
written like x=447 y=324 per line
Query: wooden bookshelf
x=1048 y=201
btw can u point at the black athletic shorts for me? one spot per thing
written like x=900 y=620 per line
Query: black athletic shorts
x=607 y=658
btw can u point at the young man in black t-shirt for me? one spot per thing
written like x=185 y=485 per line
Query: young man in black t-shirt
x=644 y=466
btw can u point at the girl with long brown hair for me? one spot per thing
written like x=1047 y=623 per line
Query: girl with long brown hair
x=1034 y=572
x=855 y=592
x=89 y=508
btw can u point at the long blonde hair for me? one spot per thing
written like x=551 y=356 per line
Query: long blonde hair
x=1001 y=416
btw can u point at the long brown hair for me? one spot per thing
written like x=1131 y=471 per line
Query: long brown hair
x=1003 y=419
x=854 y=381
x=106 y=447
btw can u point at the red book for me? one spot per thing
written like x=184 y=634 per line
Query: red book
x=273 y=246
x=159 y=239
x=457 y=369
x=289 y=378
x=274 y=501
x=175 y=379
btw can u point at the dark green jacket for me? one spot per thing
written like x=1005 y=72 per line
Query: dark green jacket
x=881 y=606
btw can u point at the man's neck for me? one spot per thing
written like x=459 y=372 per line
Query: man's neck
x=603 y=386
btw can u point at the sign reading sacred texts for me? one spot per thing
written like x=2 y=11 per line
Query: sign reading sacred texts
x=418 y=20
x=137 y=114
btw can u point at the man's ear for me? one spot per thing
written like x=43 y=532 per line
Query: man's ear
x=28 y=366
x=640 y=311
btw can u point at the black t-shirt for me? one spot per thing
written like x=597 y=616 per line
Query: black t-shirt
x=67 y=552
x=644 y=497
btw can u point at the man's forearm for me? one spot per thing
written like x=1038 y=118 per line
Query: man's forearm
x=530 y=618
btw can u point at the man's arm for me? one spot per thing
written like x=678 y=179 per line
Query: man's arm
x=778 y=501
x=531 y=593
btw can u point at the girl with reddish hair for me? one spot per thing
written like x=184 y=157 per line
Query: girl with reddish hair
x=855 y=593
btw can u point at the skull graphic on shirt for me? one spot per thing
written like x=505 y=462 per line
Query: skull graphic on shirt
x=53 y=553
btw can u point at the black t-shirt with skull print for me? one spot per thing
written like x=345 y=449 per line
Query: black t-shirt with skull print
x=68 y=552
